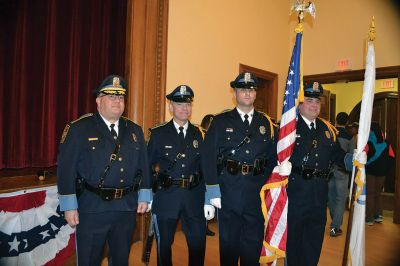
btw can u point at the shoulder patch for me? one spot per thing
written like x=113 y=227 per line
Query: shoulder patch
x=82 y=117
x=65 y=133
x=331 y=128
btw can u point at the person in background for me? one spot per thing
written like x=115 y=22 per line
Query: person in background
x=238 y=156
x=205 y=124
x=103 y=177
x=338 y=184
x=174 y=150
x=380 y=160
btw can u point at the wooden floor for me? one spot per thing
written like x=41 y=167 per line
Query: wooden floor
x=382 y=247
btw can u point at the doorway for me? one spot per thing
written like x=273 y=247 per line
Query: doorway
x=358 y=75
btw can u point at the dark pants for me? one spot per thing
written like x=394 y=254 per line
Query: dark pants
x=373 y=193
x=95 y=229
x=240 y=236
x=194 y=228
x=306 y=220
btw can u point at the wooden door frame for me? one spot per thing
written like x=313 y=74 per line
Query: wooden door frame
x=268 y=76
x=358 y=75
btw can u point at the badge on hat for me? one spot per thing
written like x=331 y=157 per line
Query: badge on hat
x=182 y=90
x=116 y=82
x=315 y=87
x=247 y=77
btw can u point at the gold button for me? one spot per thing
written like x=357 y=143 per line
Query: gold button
x=183 y=155
x=316 y=155
x=122 y=169
x=93 y=148
x=166 y=154
x=120 y=159
x=247 y=151
x=183 y=165
x=121 y=180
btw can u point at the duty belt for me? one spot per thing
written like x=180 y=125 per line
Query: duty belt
x=310 y=173
x=111 y=193
x=190 y=182
x=234 y=167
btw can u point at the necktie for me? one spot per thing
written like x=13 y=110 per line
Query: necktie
x=113 y=132
x=246 y=120
x=312 y=128
x=181 y=135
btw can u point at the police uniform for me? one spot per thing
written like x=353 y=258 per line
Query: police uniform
x=237 y=160
x=106 y=209
x=181 y=189
x=313 y=155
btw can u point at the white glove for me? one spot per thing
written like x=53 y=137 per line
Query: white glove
x=209 y=212
x=149 y=205
x=216 y=202
x=285 y=168
x=361 y=157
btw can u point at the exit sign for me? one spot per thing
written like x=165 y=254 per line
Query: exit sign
x=387 y=84
x=343 y=65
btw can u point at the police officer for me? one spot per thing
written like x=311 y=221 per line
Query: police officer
x=174 y=154
x=106 y=154
x=315 y=150
x=239 y=154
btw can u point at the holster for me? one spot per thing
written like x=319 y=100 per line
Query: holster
x=220 y=164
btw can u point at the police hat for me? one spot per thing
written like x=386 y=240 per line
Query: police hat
x=112 y=84
x=313 y=90
x=182 y=94
x=245 y=80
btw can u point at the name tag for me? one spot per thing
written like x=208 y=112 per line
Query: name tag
x=93 y=139
x=168 y=147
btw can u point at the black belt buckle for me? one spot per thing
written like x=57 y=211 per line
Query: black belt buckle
x=119 y=193
x=308 y=173
x=246 y=168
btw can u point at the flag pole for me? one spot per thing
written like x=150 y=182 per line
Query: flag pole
x=352 y=197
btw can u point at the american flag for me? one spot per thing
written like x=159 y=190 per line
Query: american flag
x=32 y=230
x=273 y=194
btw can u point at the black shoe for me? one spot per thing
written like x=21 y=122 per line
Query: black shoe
x=335 y=232
x=209 y=232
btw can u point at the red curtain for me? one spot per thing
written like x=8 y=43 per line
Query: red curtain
x=52 y=55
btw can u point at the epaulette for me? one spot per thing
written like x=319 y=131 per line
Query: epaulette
x=201 y=129
x=271 y=124
x=158 y=125
x=126 y=118
x=331 y=128
x=224 y=111
x=82 y=117
x=67 y=126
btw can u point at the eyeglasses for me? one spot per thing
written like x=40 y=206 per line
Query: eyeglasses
x=113 y=97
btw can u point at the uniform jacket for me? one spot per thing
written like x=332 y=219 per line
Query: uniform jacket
x=163 y=147
x=85 y=150
x=313 y=192
x=226 y=132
